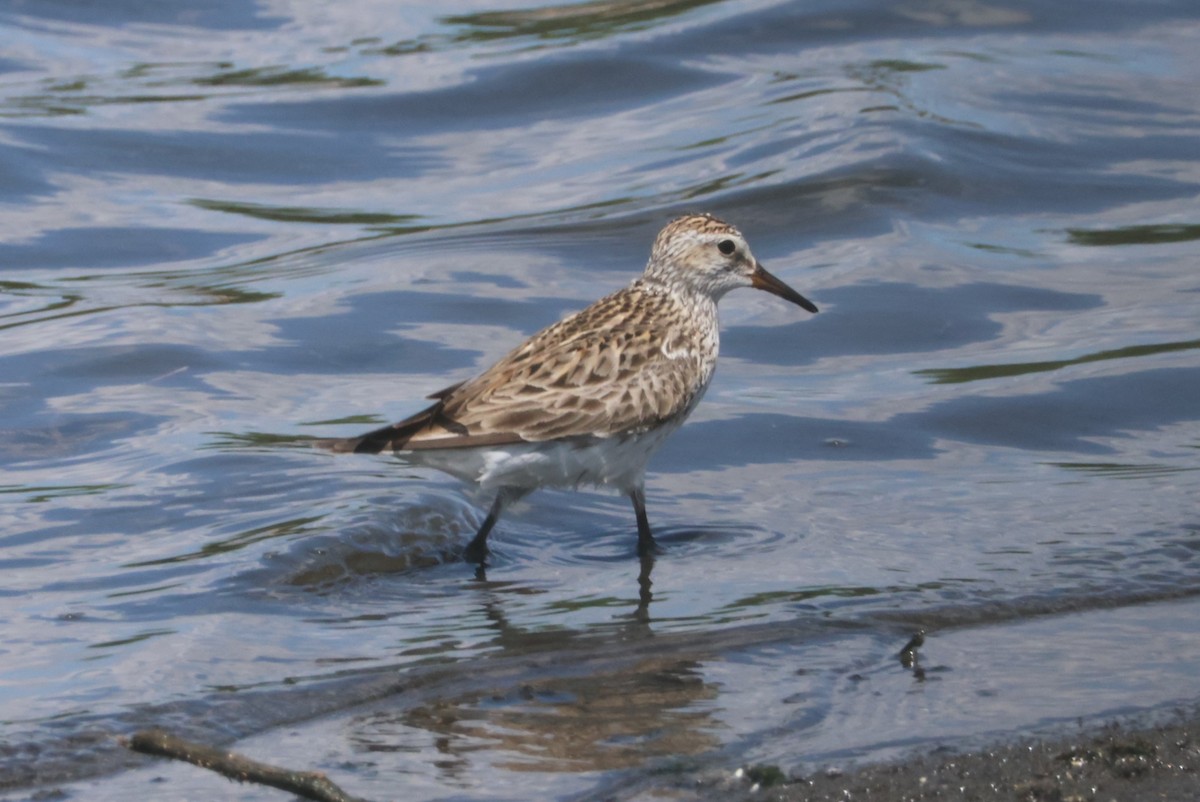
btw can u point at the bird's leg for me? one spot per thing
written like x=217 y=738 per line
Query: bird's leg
x=646 y=545
x=477 y=550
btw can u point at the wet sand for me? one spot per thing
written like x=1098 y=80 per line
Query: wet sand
x=1128 y=761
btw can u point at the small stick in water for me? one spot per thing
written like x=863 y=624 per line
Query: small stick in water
x=307 y=784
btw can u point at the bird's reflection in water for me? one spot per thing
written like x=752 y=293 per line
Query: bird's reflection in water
x=642 y=613
x=603 y=720
x=645 y=596
x=608 y=708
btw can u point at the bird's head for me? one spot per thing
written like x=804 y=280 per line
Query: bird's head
x=707 y=255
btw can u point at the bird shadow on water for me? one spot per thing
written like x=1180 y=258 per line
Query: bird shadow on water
x=415 y=537
x=424 y=541
x=712 y=538
x=378 y=549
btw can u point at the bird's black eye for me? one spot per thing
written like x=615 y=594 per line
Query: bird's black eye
x=726 y=246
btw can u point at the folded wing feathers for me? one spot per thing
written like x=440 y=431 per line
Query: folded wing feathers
x=581 y=375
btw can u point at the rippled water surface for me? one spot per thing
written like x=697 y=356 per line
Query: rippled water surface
x=228 y=228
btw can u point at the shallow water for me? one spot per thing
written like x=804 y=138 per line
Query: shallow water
x=228 y=228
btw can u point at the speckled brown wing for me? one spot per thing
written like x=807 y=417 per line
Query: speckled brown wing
x=624 y=363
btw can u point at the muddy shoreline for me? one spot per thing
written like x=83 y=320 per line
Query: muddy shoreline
x=1147 y=756
x=1136 y=759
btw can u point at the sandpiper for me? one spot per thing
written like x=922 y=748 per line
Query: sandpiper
x=588 y=400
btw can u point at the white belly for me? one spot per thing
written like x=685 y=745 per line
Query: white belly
x=618 y=461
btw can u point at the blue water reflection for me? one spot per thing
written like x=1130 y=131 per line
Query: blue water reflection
x=233 y=228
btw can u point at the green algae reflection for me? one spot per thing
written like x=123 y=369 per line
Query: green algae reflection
x=981 y=372
x=1150 y=234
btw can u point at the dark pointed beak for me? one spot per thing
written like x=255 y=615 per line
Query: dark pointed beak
x=760 y=279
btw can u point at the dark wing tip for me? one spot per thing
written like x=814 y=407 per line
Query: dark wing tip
x=393 y=436
x=348 y=445
x=376 y=441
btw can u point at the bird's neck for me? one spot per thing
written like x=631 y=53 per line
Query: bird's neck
x=692 y=297
x=699 y=309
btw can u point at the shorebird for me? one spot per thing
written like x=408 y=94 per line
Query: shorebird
x=589 y=399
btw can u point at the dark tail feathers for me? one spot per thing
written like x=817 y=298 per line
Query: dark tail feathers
x=393 y=436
